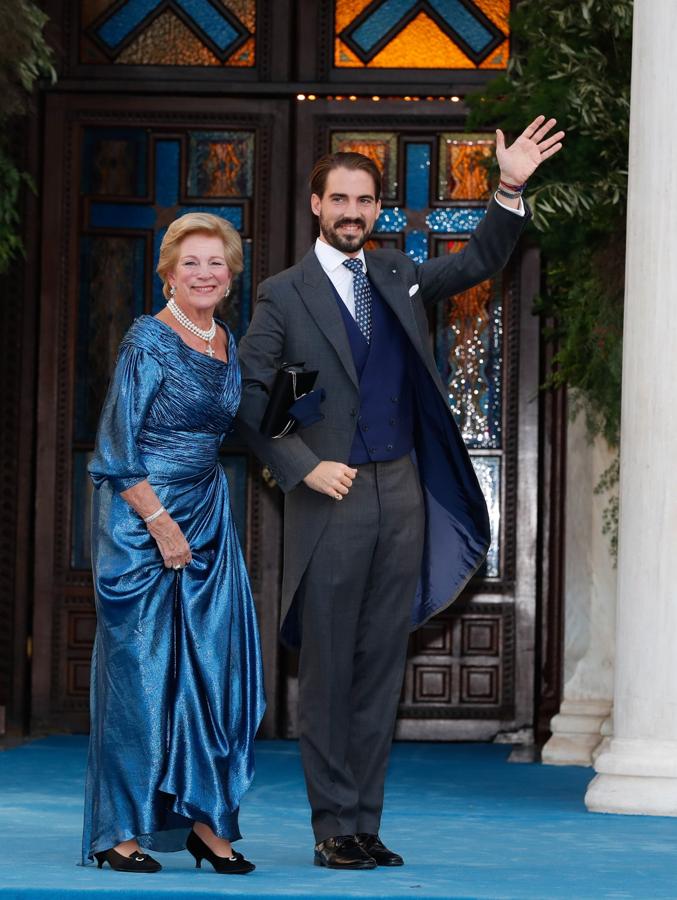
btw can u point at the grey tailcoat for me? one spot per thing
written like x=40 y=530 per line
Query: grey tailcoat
x=296 y=319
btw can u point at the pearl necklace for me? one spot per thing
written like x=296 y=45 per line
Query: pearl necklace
x=206 y=335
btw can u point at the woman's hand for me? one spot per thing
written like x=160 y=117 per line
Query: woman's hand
x=171 y=542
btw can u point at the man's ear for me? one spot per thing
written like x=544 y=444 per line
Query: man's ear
x=315 y=204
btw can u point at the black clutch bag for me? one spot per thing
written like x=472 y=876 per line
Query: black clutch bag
x=291 y=383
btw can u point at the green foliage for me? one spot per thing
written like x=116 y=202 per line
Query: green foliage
x=24 y=57
x=572 y=61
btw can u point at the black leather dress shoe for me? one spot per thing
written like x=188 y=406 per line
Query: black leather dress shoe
x=374 y=846
x=342 y=852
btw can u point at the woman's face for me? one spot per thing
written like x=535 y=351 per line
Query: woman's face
x=201 y=276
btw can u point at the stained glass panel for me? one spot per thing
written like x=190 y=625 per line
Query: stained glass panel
x=379 y=146
x=456 y=34
x=115 y=162
x=221 y=164
x=488 y=471
x=236 y=310
x=112 y=287
x=147 y=33
x=469 y=350
x=463 y=174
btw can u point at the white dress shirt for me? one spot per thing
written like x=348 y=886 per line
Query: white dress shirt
x=341 y=277
x=331 y=261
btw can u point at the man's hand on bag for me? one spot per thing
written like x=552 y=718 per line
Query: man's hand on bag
x=331 y=478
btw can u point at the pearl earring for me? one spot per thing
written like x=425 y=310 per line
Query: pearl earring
x=227 y=292
x=172 y=291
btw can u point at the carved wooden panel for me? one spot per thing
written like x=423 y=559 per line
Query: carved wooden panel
x=461 y=664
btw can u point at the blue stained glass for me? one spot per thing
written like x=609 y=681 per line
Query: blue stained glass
x=380 y=22
x=458 y=220
x=167 y=154
x=488 y=471
x=211 y=21
x=159 y=298
x=232 y=214
x=418 y=176
x=416 y=245
x=125 y=20
x=393 y=219
x=121 y=215
x=464 y=23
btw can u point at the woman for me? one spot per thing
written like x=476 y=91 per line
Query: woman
x=177 y=690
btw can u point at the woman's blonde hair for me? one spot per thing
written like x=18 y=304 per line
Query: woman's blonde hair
x=198 y=223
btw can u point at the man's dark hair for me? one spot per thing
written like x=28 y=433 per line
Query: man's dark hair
x=349 y=160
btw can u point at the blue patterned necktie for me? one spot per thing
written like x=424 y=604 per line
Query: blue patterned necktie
x=362 y=293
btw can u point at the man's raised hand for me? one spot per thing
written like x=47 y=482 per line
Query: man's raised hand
x=521 y=159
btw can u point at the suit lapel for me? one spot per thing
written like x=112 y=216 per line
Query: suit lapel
x=392 y=287
x=316 y=293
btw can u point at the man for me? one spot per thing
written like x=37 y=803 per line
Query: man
x=385 y=522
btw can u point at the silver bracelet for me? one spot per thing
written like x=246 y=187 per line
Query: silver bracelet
x=153 y=516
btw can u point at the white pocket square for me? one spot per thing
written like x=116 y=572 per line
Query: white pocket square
x=413 y=289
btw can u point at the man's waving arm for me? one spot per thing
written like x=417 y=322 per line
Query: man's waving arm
x=493 y=241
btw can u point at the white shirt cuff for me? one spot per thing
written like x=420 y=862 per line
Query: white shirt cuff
x=518 y=212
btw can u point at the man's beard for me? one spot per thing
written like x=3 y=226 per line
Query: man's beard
x=345 y=243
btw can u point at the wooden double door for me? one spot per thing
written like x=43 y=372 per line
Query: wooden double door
x=118 y=171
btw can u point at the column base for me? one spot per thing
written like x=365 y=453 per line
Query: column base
x=635 y=777
x=576 y=732
x=607 y=732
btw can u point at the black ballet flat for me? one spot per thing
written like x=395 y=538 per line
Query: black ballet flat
x=135 y=862
x=224 y=865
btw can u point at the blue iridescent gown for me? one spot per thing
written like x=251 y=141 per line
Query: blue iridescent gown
x=177 y=689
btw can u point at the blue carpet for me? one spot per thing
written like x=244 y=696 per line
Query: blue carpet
x=469 y=824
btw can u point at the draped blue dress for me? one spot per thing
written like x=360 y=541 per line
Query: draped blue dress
x=177 y=689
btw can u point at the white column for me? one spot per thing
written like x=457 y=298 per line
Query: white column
x=589 y=613
x=638 y=773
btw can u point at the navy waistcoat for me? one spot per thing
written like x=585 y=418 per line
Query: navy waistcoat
x=385 y=424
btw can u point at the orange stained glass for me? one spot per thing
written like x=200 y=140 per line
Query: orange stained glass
x=463 y=174
x=245 y=56
x=381 y=147
x=224 y=164
x=421 y=44
x=469 y=316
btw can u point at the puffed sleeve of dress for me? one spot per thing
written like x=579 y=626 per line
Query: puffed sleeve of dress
x=133 y=387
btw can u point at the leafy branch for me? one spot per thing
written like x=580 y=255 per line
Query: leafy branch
x=25 y=57
x=572 y=61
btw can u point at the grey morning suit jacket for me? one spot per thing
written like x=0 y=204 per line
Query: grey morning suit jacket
x=296 y=319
